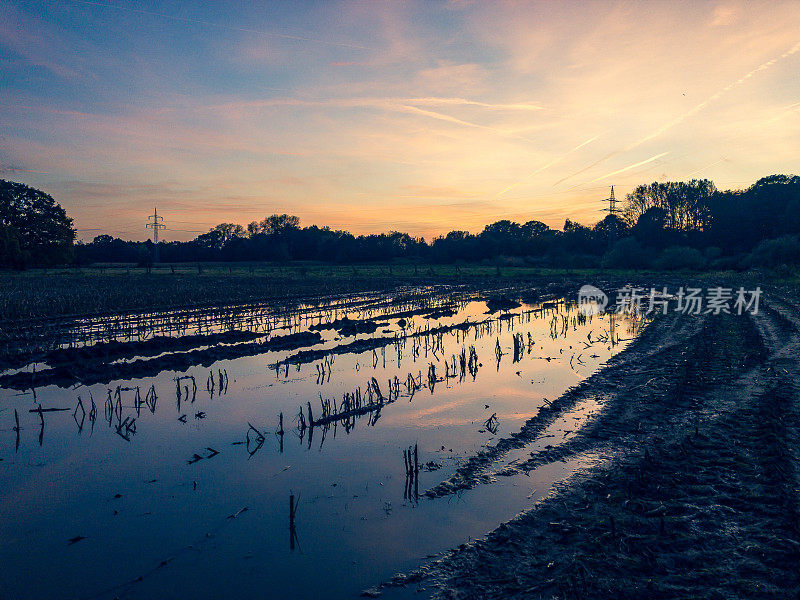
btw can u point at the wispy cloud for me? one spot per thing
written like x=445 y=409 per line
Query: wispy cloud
x=11 y=170
x=218 y=25
x=411 y=115
x=23 y=36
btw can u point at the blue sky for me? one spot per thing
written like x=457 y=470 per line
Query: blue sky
x=369 y=116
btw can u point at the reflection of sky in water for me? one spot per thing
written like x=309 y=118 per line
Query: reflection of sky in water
x=354 y=527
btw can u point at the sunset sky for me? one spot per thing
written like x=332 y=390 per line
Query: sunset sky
x=420 y=117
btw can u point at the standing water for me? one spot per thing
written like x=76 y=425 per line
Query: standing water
x=295 y=468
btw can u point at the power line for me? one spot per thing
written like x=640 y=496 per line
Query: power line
x=190 y=222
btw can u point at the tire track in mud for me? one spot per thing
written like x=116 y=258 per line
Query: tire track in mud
x=661 y=341
x=704 y=505
x=674 y=403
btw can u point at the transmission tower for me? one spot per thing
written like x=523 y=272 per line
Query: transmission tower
x=155 y=223
x=612 y=203
x=612 y=210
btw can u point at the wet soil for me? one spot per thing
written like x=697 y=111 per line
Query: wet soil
x=695 y=487
x=115 y=350
x=501 y=302
x=89 y=372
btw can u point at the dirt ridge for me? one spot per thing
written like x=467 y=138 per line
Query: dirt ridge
x=700 y=498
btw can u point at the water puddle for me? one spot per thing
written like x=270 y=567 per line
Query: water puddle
x=179 y=483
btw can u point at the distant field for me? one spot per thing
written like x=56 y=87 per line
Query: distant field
x=326 y=271
x=43 y=293
x=104 y=289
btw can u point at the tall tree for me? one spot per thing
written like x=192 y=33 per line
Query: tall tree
x=11 y=255
x=273 y=224
x=767 y=209
x=40 y=225
x=220 y=235
x=686 y=204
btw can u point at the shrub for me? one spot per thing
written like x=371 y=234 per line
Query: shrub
x=677 y=258
x=627 y=254
x=784 y=250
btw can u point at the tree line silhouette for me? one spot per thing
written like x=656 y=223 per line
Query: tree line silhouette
x=664 y=225
x=34 y=228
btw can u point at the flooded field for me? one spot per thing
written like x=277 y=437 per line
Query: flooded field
x=296 y=452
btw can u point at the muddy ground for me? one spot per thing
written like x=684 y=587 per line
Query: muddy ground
x=695 y=492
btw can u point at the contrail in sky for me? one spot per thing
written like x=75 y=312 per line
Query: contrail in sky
x=547 y=166
x=628 y=168
x=442 y=117
x=463 y=101
x=402 y=105
x=723 y=159
x=791 y=108
x=726 y=89
x=378 y=102
x=221 y=26
x=676 y=121
x=595 y=163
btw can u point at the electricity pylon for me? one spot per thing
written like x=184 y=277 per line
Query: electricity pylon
x=612 y=210
x=156 y=224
